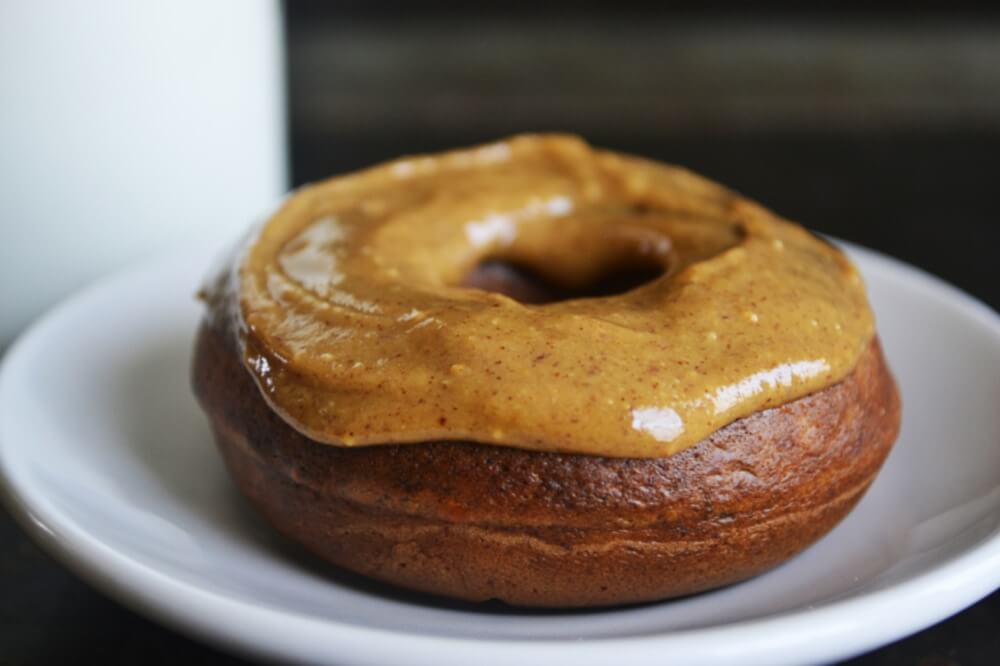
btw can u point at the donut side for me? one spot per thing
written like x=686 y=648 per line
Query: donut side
x=478 y=522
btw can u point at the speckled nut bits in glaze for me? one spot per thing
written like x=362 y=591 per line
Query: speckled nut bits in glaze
x=543 y=373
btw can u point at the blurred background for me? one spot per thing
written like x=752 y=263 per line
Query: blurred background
x=879 y=127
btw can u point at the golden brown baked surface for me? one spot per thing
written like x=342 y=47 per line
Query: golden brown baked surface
x=358 y=326
x=477 y=522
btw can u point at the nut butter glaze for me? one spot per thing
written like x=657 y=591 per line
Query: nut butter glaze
x=350 y=313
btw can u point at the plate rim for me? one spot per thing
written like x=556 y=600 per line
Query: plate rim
x=255 y=629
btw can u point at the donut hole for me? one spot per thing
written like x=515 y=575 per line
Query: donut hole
x=526 y=284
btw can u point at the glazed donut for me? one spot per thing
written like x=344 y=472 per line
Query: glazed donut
x=546 y=374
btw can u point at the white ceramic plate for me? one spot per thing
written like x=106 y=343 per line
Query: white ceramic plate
x=110 y=465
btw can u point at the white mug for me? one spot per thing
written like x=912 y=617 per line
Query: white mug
x=128 y=128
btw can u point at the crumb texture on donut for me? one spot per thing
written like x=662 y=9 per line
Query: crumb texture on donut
x=480 y=522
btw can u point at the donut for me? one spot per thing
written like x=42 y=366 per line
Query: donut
x=543 y=373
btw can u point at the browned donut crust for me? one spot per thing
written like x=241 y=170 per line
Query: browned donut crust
x=479 y=522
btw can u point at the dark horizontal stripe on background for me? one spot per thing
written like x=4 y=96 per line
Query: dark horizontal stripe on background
x=655 y=77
